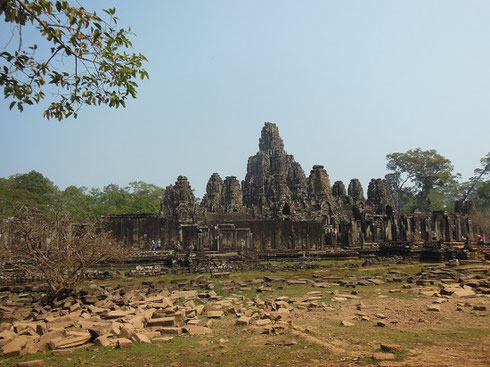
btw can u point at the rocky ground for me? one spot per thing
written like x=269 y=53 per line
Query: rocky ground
x=339 y=315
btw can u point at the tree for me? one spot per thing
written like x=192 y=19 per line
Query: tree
x=419 y=176
x=76 y=201
x=477 y=189
x=35 y=183
x=55 y=249
x=145 y=197
x=30 y=189
x=80 y=58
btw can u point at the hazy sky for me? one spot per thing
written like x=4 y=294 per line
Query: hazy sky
x=347 y=82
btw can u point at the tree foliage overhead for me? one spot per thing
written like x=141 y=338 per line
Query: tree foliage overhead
x=421 y=178
x=80 y=59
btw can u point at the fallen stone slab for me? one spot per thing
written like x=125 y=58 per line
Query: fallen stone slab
x=102 y=341
x=141 y=338
x=171 y=330
x=262 y=322
x=215 y=314
x=34 y=363
x=162 y=321
x=6 y=336
x=457 y=291
x=479 y=308
x=244 y=320
x=70 y=342
x=390 y=347
x=14 y=347
x=434 y=308
x=330 y=348
x=123 y=343
x=114 y=314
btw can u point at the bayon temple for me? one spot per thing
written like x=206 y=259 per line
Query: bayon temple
x=277 y=209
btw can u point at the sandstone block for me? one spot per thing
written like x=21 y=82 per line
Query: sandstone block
x=102 y=341
x=389 y=347
x=346 y=323
x=244 y=320
x=162 y=321
x=34 y=363
x=70 y=342
x=14 y=347
x=215 y=314
x=123 y=343
x=171 y=330
x=141 y=338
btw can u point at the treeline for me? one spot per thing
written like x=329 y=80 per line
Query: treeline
x=420 y=180
x=424 y=180
x=37 y=191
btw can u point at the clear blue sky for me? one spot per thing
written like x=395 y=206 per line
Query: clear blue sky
x=347 y=82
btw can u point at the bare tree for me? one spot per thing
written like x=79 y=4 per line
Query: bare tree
x=54 y=249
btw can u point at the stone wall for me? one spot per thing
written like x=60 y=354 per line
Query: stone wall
x=278 y=208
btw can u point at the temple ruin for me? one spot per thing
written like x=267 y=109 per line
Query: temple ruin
x=277 y=209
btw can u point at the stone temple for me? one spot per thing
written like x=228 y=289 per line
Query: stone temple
x=277 y=209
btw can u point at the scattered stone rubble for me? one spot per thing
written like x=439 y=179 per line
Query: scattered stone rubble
x=115 y=316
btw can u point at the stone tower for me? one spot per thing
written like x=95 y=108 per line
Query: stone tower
x=179 y=201
x=212 y=199
x=275 y=185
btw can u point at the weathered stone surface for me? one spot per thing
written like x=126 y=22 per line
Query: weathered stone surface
x=215 y=314
x=434 y=308
x=244 y=320
x=212 y=199
x=33 y=363
x=231 y=197
x=102 y=341
x=346 y=323
x=390 y=347
x=124 y=343
x=338 y=190
x=162 y=321
x=70 y=342
x=355 y=191
x=141 y=338
x=319 y=189
x=179 y=201
x=275 y=184
x=14 y=347
x=379 y=196
x=171 y=330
